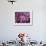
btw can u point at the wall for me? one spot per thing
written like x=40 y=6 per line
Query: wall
x=9 y=31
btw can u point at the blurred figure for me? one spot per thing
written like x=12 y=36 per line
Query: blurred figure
x=22 y=17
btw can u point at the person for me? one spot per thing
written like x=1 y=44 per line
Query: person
x=22 y=19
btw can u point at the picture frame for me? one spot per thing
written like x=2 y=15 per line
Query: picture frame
x=23 y=18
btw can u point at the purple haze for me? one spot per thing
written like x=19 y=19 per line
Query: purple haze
x=22 y=17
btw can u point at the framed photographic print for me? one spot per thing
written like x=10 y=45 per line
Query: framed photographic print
x=23 y=18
